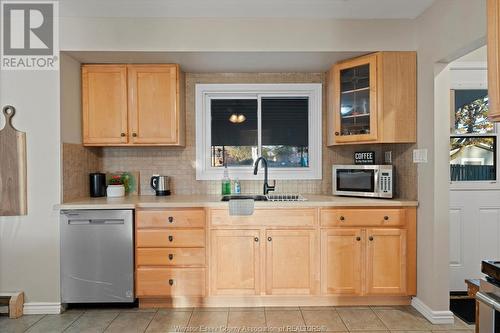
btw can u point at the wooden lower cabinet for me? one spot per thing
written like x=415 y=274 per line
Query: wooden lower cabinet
x=158 y=282
x=235 y=262
x=386 y=261
x=291 y=262
x=341 y=259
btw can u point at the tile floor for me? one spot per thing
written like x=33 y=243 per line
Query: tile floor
x=400 y=319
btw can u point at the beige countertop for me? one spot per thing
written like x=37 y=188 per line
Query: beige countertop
x=213 y=201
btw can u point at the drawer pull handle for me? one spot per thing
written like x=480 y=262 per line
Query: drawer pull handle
x=269 y=238
x=341 y=218
x=337 y=133
x=122 y=135
x=358 y=238
x=170 y=219
x=386 y=218
x=171 y=238
x=171 y=282
x=256 y=239
x=170 y=256
x=370 y=238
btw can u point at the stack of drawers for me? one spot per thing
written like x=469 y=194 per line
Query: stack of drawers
x=170 y=253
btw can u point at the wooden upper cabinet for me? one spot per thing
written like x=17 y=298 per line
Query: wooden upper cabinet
x=341 y=261
x=104 y=104
x=133 y=105
x=154 y=104
x=493 y=19
x=372 y=99
x=235 y=267
x=291 y=262
x=386 y=261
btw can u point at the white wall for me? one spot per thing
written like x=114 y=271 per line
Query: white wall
x=29 y=245
x=447 y=30
x=198 y=34
x=71 y=100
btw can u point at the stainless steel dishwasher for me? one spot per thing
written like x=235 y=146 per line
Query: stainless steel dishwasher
x=97 y=256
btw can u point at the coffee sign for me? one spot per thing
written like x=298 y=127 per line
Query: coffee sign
x=364 y=157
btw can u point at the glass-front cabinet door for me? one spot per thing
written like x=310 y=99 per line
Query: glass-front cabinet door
x=355 y=100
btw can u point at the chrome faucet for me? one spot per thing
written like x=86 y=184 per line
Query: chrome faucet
x=267 y=187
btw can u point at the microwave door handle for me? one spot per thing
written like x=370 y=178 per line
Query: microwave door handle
x=376 y=180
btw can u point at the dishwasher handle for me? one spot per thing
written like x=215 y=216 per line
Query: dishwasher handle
x=96 y=221
x=488 y=300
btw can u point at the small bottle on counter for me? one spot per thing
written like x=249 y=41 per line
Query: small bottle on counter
x=226 y=182
x=237 y=186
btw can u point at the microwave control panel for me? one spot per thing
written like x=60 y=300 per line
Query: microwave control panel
x=386 y=182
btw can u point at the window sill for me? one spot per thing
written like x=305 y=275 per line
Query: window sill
x=475 y=186
x=274 y=174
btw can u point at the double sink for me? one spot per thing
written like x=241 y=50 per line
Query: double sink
x=269 y=197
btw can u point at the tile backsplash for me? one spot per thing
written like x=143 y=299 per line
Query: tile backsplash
x=77 y=163
x=179 y=163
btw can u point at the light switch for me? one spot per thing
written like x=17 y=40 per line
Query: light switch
x=388 y=157
x=419 y=155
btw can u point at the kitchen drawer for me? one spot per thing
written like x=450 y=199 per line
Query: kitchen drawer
x=170 y=256
x=362 y=217
x=170 y=218
x=154 y=282
x=266 y=217
x=170 y=238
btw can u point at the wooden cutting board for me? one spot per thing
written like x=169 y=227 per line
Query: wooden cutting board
x=12 y=167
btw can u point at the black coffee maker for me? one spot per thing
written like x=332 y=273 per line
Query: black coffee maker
x=97 y=184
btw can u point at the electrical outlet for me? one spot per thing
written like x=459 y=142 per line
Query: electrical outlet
x=420 y=155
x=388 y=157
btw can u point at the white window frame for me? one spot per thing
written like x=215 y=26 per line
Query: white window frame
x=206 y=92
x=478 y=70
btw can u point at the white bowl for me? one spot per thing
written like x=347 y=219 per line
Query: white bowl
x=113 y=191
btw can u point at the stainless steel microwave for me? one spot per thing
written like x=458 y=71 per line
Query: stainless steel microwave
x=374 y=181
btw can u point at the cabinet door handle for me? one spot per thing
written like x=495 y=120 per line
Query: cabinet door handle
x=134 y=134
x=170 y=256
x=386 y=218
x=358 y=238
x=256 y=239
x=171 y=238
x=370 y=238
x=269 y=238
x=336 y=133
x=170 y=219
x=341 y=218
x=123 y=134
x=171 y=282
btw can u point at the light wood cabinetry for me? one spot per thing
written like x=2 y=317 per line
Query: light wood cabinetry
x=377 y=258
x=341 y=261
x=104 y=104
x=372 y=99
x=127 y=105
x=170 y=254
x=291 y=262
x=339 y=256
x=235 y=262
x=385 y=261
x=493 y=19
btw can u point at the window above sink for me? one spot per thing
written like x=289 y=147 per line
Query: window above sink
x=237 y=123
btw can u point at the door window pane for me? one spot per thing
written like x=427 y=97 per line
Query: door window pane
x=234 y=132
x=473 y=158
x=471 y=112
x=285 y=132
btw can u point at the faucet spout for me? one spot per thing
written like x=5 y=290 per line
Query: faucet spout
x=267 y=187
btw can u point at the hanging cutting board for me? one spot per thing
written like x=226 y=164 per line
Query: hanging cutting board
x=12 y=167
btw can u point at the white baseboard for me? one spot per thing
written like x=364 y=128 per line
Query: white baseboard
x=435 y=317
x=42 y=308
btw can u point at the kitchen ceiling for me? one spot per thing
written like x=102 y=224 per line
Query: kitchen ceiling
x=200 y=62
x=328 y=9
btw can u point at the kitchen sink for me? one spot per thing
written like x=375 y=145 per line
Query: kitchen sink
x=269 y=197
x=242 y=197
